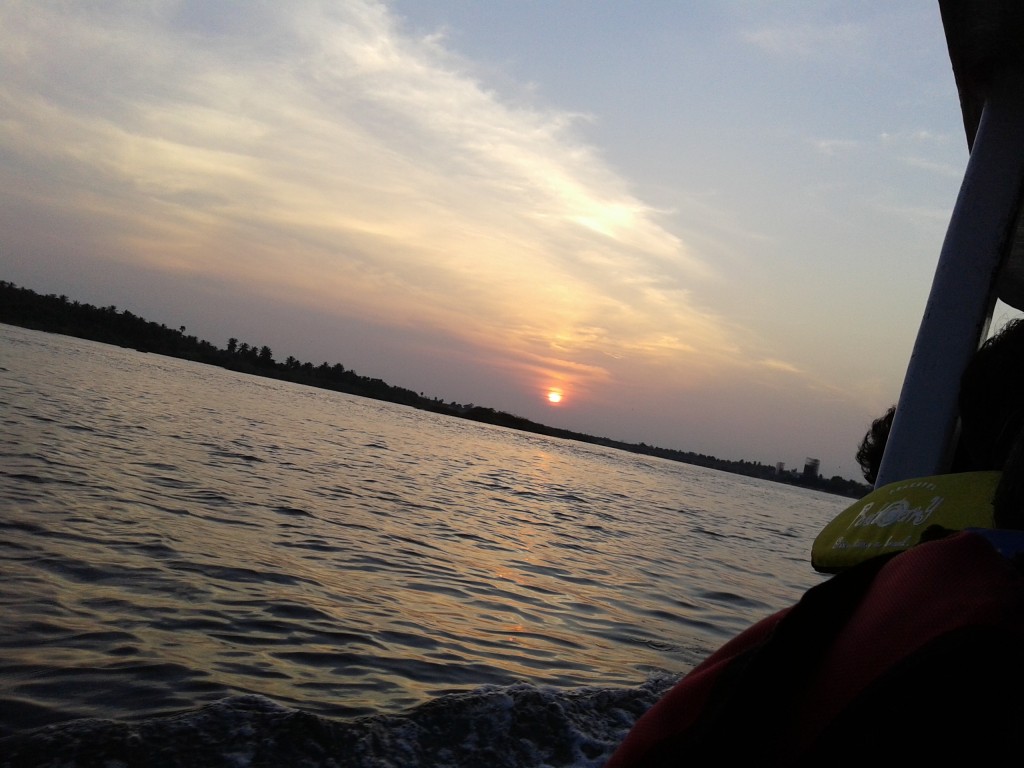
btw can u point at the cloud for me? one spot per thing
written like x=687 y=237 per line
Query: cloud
x=917 y=137
x=317 y=148
x=808 y=40
x=779 y=365
x=941 y=169
x=832 y=147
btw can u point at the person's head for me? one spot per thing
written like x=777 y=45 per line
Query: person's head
x=992 y=419
x=991 y=405
x=992 y=399
x=872 y=446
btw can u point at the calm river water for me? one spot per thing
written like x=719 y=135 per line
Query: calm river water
x=201 y=567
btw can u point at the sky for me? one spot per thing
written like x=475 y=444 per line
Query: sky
x=709 y=225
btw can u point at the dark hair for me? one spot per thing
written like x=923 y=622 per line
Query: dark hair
x=992 y=419
x=872 y=446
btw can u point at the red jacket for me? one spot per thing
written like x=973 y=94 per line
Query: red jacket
x=918 y=656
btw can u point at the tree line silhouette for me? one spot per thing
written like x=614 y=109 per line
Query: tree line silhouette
x=59 y=314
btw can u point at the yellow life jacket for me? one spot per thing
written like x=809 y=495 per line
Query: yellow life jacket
x=893 y=517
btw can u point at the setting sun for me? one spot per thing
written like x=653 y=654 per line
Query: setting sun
x=554 y=396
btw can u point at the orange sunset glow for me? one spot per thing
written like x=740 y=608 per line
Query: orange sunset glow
x=554 y=396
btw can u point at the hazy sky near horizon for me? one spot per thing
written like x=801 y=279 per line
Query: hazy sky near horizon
x=711 y=226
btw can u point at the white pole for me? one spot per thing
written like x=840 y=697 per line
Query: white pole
x=959 y=308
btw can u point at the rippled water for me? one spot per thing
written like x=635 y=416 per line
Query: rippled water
x=174 y=535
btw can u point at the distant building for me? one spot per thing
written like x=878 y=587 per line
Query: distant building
x=811 y=468
x=780 y=467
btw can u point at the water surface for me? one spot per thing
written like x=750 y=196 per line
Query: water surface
x=177 y=535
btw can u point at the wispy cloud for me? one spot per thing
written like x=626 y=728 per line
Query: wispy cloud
x=832 y=147
x=807 y=40
x=318 y=149
x=942 y=169
x=919 y=137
